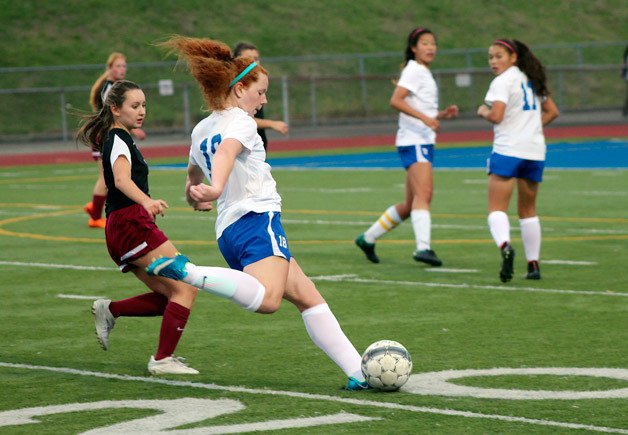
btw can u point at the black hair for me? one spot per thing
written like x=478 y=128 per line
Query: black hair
x=528 y=63
x=241 y=46
x=413 y=38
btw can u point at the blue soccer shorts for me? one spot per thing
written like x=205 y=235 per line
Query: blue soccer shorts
x=514 y=167
x=410 y=154
x=253 y=237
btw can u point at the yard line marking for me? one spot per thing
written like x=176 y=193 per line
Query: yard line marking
x=446 y=270
x=354 y=278
x=357 y=402
x=570 y=262
x=56 y=266
x=64 y=296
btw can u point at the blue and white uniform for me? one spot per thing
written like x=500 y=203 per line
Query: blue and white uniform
x=519 y=143
x=248 y=226
x=415 y=140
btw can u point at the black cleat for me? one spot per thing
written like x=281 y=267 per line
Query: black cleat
x=367 y=248
x=508 y=258
x=427 y=256
x=533 y=270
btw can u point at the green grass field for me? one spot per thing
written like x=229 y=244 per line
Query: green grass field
x=263 y=372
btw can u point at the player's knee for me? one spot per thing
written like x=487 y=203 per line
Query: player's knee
x=271 y=303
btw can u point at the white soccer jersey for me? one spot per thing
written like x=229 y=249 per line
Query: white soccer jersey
x=250 y=186
x=520 y=134
x=423 y=97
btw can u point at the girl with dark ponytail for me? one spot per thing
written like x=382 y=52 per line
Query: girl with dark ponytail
x=416 y=100
x=135 y=242
x=518 y=103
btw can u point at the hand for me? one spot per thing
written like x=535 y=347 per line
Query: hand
x=204 y=193
x=450 y=112
x=155 y=206
x=432 y=123
x=280 y=126
x=483 y=110
x=139 y=133
x=203 y=206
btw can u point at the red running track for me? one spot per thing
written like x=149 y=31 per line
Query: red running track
x=181 y=150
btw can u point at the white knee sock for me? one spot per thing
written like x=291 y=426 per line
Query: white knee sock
x=500 y=227
x=387 y=222
x=240 y=287
x=422 y=225
x=325 y=332
x=531 y=236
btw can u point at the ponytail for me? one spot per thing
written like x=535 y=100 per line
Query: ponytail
x=528 y=64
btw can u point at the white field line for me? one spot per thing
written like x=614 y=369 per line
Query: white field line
x=446 y=270
x=356 y=279
x=570 y=262
x=57 y=266
x=91 y=298
x=357 y=402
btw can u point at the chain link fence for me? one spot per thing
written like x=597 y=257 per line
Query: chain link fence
x=46 y=102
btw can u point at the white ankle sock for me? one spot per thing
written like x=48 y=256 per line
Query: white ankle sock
x=325 y=332
x=387 y=222
x=531 y=236
x=422 y=225
x=500 y=227
x=240 y=287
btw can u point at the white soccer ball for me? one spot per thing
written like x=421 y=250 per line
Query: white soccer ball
x=386 y=365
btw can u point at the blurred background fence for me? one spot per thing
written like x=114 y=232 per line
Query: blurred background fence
x=44 y=102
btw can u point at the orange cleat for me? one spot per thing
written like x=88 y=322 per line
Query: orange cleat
x=89 y=208
x=97 y=223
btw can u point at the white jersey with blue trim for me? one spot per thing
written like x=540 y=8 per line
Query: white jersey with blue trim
x=423 y=97
x=250 y=186
x=520 y=134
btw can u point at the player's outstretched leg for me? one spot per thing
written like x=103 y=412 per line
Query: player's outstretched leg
x=239 y=287
x=508 y=258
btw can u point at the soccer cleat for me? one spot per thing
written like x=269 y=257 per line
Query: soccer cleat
x=533 y=270
x=97 y=223
x=508 y=258
x=91 y=222
x=427 y=256
x=104 y=321
x=367 y=248
x=354 y=385
x=169 y=267
x=171 y=365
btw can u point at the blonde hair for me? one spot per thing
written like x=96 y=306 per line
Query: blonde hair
x=213 y=67
x=94 y=94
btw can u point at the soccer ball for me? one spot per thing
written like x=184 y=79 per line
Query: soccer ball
x=386 y=365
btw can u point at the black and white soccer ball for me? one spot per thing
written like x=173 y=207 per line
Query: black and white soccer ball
x=386 y=365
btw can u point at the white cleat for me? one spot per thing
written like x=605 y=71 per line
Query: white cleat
x=171 y=365
x=104 y=321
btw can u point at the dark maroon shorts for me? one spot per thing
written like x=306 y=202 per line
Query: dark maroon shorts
x=131 y=233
